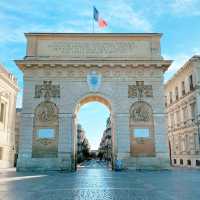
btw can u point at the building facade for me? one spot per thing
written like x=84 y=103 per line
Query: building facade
x=8 y=93
x=105 y=147
x=63 y=71
x=17 y=132
x=183 y=111
x=83 y=146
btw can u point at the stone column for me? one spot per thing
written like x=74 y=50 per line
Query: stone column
x=65 y=142
x=161 y=140
x=25 y=143
x=114 y=139
x=122 y=135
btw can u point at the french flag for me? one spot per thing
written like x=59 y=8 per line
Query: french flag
x=101 y=22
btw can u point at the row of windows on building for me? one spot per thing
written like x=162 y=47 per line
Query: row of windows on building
x=187 y=113
x=189 y=163
x=183 y=91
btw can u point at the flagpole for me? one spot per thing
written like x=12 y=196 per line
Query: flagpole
x=92 y=19
x=92 y=25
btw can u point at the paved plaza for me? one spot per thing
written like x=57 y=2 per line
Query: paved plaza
x=95 y=181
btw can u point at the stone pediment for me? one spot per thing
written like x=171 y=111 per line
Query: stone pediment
x=94 y=46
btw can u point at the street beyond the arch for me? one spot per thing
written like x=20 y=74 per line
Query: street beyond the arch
x=93 y=180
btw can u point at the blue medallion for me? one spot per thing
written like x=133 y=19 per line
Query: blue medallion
x=94 y=81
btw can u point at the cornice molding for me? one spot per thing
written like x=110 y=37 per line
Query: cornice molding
x=9 y=82
x=28 y=63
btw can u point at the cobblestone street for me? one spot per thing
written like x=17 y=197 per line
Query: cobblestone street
x=95 y=181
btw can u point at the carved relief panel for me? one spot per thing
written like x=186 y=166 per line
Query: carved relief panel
x=45 y=130
x=142 y=130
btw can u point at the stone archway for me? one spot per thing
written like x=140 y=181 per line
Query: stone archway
x=72 y=69
x=88 y=99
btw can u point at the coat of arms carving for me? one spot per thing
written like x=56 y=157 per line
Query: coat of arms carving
x=94 y=81
x=140 y=90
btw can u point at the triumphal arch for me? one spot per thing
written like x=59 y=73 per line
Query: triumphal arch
x=63 y=71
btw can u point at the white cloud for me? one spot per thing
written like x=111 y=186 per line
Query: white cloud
x=185 y=7
x=178 y=61
x=196 y=51
x=121 y=14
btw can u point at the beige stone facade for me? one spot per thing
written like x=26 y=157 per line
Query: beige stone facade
x=183 y=109
x=8 y=93
x=17 y=132
x=64 y=71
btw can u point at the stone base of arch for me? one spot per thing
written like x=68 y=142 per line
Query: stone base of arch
x=147 y=163
x=62 y=163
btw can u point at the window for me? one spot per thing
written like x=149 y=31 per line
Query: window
x=165 y=100
x=1 y=153
x=170 y=97
x=46 y=133
x=181 y=161
x=193 y=112
x=178 y=117
x=191 y=82
x=172 y=119
x=185 y=114
x=198 y=163
x=141 y=132
x=176 y=93
x=183 y=88
x=2 y=112
x=174 y=161
x=189 y=162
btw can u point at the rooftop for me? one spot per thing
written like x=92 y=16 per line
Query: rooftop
x=95 y=34
x=8 y=75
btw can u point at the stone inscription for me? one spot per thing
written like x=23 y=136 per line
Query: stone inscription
x=47 y=90
x=140 y=90
x=94 y=48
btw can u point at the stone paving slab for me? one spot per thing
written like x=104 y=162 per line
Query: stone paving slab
x=100 y=184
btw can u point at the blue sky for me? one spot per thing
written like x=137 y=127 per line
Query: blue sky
x=92 y=116
x=179 y=20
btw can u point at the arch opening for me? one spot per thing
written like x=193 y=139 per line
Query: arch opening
x=93 y=126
